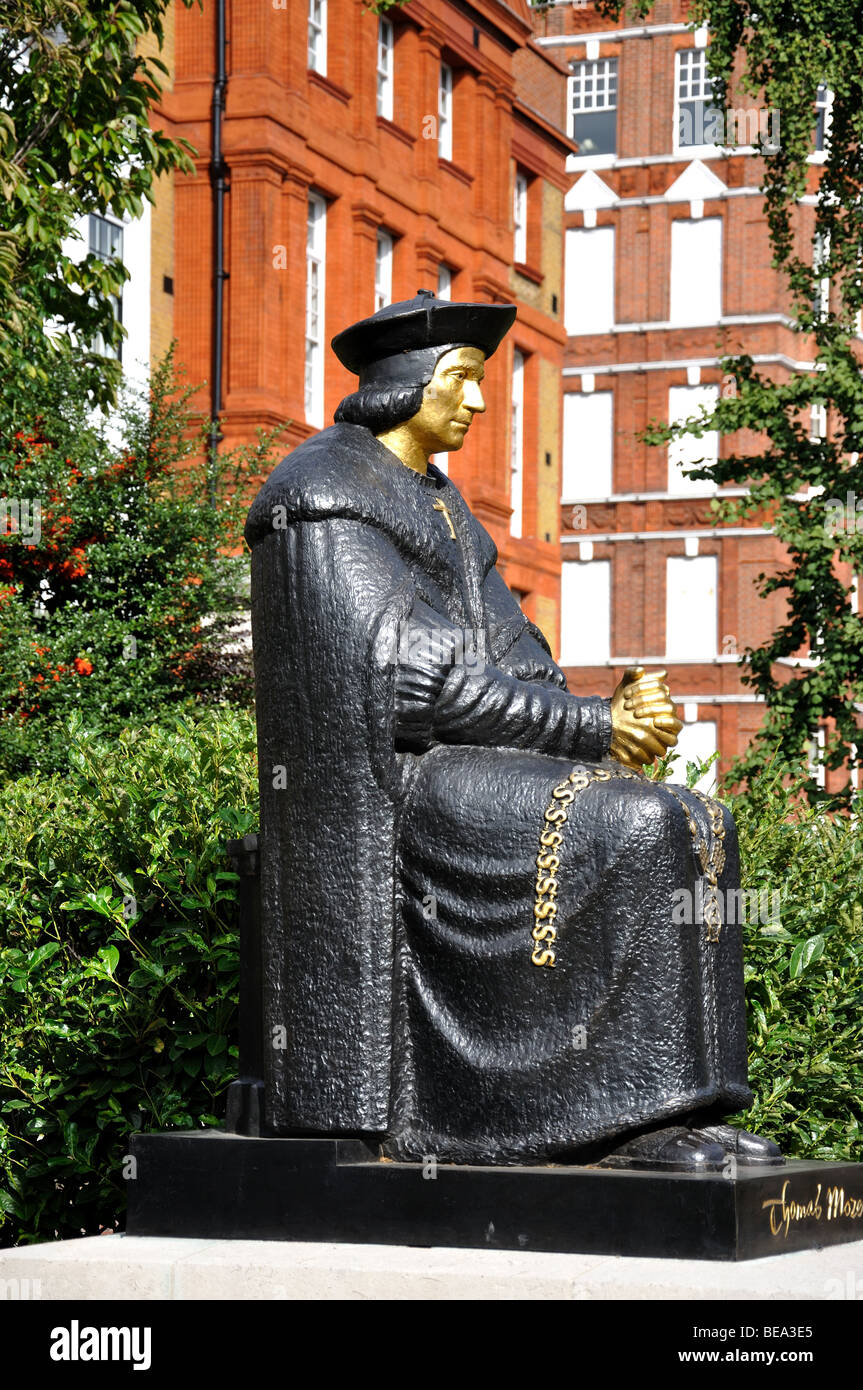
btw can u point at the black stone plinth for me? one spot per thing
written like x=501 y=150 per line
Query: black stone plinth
x=226 y=1186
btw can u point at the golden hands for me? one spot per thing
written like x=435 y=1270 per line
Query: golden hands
x=644 y=723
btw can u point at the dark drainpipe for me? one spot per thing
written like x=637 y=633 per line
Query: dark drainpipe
x=219 y=181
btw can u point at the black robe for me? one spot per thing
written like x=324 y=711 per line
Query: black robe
x=411 y=728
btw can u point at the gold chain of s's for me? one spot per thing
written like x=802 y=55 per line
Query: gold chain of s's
x=548 y=858
x=711 y=857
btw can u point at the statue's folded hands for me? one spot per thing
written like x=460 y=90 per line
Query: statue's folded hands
x=644 y=718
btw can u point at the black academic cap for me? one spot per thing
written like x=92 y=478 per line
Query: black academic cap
x=422 y=322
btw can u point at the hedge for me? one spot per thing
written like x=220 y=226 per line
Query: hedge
x=118 y=962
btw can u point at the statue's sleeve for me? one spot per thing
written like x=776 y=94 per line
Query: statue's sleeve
x=518 y=647
x=447 y=693
x=446 y=690
x=492 y=708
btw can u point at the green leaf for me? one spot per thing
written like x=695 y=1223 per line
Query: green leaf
x=805 y=955
x=110 y=956
x=43 y=953
x=10 y=1205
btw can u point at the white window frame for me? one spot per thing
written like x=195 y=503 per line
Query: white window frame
x=444 y=281
x=445 y=111
x=383 y=269
x=706 y=448
x=823 y=102
x=820 y=254
x=519 y=216
x=316 y=244
x=516 y=487
x=677 y=776
x=600 y=75
x=687 y=59
x=817 y=422
x=133 y=306
x=574 y=282
x=385 y=77
x=815 y=751
x=116 y=254
x=317 y=36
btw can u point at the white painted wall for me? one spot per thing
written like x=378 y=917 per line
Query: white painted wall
x=588 y=444
x=585 y=612
x=589 y=299
x=696 y=270
x=683 y=403
x=691 y=607
x=136 y=297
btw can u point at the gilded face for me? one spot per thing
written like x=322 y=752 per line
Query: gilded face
x=450 y=401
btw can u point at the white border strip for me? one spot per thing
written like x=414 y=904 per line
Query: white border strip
x=651 y=199
x=679 y=497
x=609 y=537
x=677 y=364
x=660 y=325
x=642 y=31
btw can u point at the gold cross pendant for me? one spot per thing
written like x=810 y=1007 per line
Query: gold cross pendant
x=442 y=507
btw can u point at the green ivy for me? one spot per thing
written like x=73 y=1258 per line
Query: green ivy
x=771 y=55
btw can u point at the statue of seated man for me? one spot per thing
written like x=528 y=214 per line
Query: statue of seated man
x=469 y=937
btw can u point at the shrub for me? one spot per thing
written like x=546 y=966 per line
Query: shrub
x=114 y=595
x=119 y=962
x=804 y=975
x=803 y=971
x=118 y=959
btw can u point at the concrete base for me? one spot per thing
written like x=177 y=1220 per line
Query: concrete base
x=156 y=1267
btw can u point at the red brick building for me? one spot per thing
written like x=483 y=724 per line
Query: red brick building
x=668 y=268
x=367 y=158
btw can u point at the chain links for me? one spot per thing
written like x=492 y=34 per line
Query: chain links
x=710 y=856
x=548 y=860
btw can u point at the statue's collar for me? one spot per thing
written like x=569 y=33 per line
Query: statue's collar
x=433 y=478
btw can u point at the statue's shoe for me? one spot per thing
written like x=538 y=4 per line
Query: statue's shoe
x=748 y=1149
x=671 y=1150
